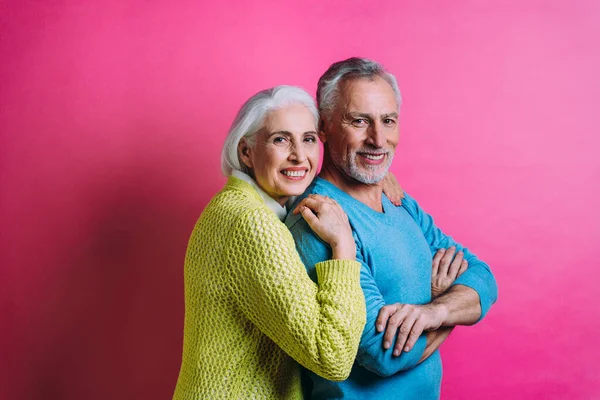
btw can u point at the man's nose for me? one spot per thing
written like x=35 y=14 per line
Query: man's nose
x=375 y=136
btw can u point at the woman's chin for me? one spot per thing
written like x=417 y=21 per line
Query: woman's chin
x=295 y=193
x=298 y=189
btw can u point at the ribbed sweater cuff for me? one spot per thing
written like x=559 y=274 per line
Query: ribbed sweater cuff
x=480 y=286
x=338 y=270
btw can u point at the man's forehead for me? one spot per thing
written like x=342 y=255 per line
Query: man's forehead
x=368 y=95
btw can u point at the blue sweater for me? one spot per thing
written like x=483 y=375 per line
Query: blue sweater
x=395 y=249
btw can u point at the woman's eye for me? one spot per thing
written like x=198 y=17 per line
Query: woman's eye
x=279 y=139
x=310 y=139
x=359 y=122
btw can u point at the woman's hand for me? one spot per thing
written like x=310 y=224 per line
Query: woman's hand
x=445 y=270
x=392 y=189
x=327 y=219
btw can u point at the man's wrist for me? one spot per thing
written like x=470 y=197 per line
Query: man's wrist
x=440 y=312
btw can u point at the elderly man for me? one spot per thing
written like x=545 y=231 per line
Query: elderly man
x=359 y=104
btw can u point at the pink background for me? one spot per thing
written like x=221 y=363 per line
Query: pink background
x=112 y=117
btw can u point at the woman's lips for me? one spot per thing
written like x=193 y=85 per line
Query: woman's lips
x=294 y=173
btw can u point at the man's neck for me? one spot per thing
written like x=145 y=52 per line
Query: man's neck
x=365 y=193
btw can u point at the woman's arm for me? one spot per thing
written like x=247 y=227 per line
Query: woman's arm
x=318 y=325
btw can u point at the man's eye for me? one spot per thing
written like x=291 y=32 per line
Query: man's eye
x=389 y=121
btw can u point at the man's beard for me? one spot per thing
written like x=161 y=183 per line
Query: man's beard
x=364 y=173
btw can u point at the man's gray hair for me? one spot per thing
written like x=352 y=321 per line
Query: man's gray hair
x=251 y=117
x=328 y=89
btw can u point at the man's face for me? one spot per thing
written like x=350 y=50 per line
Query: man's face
x=363 y=132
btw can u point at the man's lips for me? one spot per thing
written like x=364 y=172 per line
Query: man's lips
x=372 y=158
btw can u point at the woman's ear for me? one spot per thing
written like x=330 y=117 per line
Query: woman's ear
x=245 y=153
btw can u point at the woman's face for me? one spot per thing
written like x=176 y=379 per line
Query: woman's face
x=285 y=156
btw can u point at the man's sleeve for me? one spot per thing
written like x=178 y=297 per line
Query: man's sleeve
x=371 y=354
x=478 y=275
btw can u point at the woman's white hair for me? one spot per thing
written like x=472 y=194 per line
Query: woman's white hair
x=251 y=117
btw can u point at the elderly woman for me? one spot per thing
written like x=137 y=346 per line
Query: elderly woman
x=252 y=312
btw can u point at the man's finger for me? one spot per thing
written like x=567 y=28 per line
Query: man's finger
x=384 y=314
x=445 y=261
x=435 y=263
x=455 y=266
x=463 y=267
x=403 y=332
x=415 y=333
x=395 y=321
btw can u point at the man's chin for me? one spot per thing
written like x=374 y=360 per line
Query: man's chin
x=368 y=177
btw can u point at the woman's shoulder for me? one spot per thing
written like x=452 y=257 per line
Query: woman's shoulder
x=237 y=200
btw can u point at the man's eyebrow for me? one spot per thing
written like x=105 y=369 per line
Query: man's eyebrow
x=359 y=115
x=390 y=115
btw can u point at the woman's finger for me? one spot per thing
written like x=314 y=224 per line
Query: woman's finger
x=314 y=204
x=310 y=218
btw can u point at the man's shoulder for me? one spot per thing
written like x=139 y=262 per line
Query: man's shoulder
x=411 y=205
x=318 y=186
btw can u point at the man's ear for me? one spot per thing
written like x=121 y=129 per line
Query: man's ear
x=245 y=153
x=322 y=134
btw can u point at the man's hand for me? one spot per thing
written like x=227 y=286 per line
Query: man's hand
x=445 y=270
x=409 y=321
x=392 y=189
x=435 y=340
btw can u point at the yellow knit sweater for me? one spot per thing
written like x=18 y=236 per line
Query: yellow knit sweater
x=251 y=309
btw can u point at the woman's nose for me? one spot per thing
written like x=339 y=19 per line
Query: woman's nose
x=297 y=153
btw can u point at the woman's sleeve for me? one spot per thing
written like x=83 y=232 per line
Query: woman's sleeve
x=318 y=325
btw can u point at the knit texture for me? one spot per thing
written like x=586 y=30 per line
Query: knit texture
x=395 y=248
x=252 y=311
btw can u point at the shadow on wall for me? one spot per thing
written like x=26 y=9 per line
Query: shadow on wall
x=113 y=325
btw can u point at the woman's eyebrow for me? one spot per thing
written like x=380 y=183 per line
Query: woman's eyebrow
x=285 y=133
x=288 y=133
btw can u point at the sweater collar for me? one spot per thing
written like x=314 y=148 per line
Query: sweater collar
x=278 y=209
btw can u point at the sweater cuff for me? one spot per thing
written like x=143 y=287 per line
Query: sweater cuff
x=338 y=270
x=478 y=285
